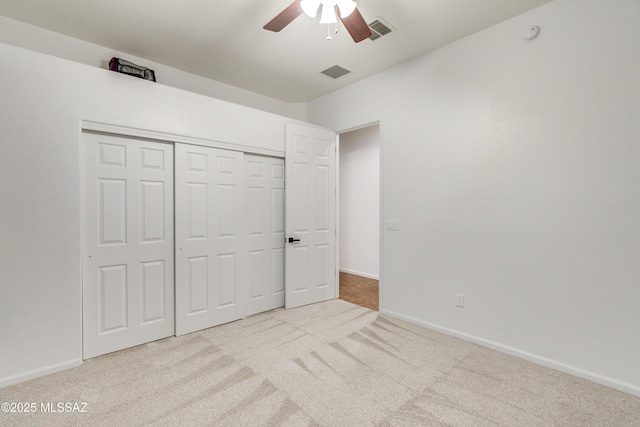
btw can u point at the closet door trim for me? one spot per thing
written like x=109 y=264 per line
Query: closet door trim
x=169 y=137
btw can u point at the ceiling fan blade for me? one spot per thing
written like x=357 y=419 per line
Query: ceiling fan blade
x=355 y=25
x=285 y=17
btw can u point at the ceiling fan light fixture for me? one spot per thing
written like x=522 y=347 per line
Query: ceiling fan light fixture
x=346 y=7
x=310 y=7
x=328 y=13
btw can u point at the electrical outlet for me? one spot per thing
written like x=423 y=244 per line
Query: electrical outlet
x=460 y=300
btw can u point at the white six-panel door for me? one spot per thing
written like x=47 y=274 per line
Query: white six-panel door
x=210 y=258
x=264 y=180
x=128 y=242
x=310 y=260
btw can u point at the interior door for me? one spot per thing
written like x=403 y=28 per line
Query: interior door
x=310 y=251
x=210 y=272
x=128 y=247
x=264 y=179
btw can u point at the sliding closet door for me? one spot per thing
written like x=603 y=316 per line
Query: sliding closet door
x=265 y=242
x=128 y=242
x=210 y=272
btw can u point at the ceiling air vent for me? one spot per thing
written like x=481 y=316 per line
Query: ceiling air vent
x=335 y=72
x=378 y=29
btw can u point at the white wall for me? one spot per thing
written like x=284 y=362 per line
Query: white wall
x=360 y=201
x=27 y=36
x=512 y=170
x=42 y=104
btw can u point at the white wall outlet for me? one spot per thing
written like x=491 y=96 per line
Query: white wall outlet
x=460 y=300
x=391 y=225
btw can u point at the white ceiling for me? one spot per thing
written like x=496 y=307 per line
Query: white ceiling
x=224 y=40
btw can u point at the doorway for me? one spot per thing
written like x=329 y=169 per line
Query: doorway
x=359 y=215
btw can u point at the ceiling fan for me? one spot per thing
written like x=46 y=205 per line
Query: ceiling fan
x=345 y=10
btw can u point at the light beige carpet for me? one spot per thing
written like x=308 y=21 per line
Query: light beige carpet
x=328 y=364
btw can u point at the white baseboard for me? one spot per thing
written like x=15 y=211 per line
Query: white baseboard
x=36 y=373
x=360 y=273
x=539 y=360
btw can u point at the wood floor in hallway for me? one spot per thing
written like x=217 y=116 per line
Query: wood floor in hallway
x=359 y=290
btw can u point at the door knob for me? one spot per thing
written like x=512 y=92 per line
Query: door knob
x=291 y=240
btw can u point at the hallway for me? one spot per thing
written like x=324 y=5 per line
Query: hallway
x=359 y=290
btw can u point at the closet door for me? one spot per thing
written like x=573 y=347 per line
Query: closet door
x=265 y=241
x=128 y=242
x=210 y=271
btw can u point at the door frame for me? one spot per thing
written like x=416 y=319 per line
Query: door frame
x=381 y=230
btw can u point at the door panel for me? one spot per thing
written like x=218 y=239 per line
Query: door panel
x=152 y=278
x=112 y=215
x=197 y=285
x=128 y=294
x=152 y=202
x=264 y=178
x=310 y=263
x=210 y=279
x=113 y=298
x=197 y=205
